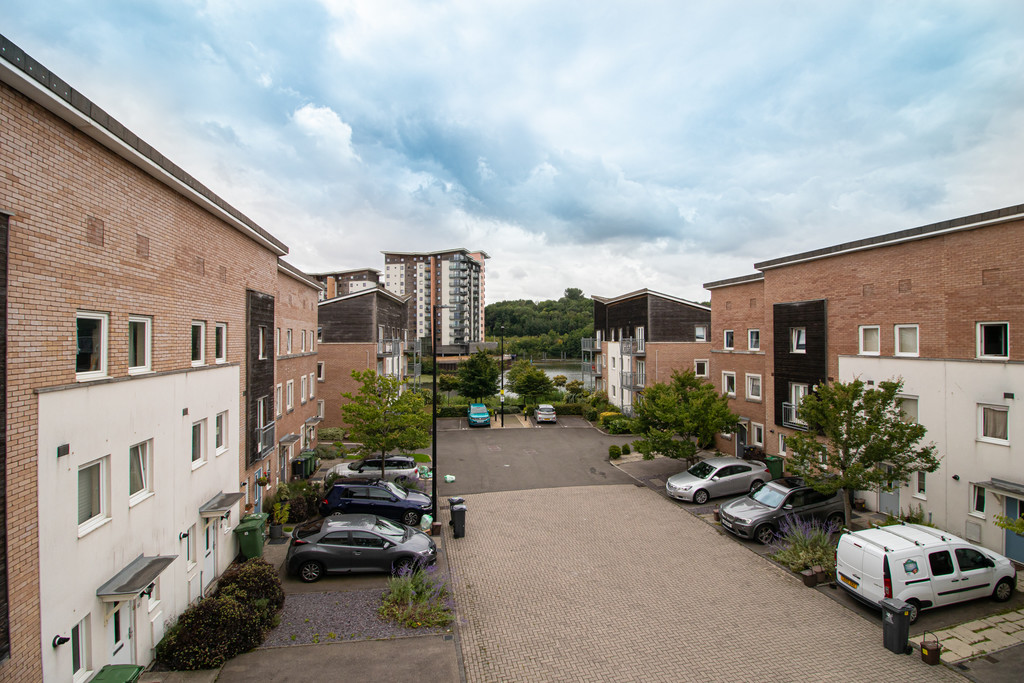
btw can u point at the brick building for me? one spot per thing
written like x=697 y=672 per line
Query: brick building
x=342 y=282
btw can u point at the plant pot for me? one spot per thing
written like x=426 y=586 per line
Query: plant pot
x=810 y=578
x=276 y=531
x=718 y=514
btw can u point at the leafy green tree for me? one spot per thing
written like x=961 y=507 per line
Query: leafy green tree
x=559 y=380
x=1014 y=525
x=447 y=383
x=532 y=383
x=857 y=438
x=383 y=418
x=478 y=376
x=573 y=390
x=516 y=371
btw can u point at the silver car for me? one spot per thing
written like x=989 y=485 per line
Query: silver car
x=396 y=468
x=760 y=514
x=725 y=476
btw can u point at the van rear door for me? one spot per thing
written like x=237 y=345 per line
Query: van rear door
x=849 y=560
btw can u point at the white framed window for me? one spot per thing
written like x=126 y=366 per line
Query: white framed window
x=700 y=368
x=908 y=408
x=140 y=472
x=728 y=339
x=729 y=383
x=798 y=340
x=288 y=341
x=312 y=385
x=91 y=349
x=303 y=388
x=977 y=504
x=277 y=400
x=921 y=486
x=198 y=446
x=220 y=342
x=302 y=340
x=993 y=424
x=320 y=335
x=870 y=340
x=81 y=651
x=140 y=344
x=320 y=408
x=754 y=340
x=93 y=494
x=782 y=444
x=190 y=548
x=754 y=387
x=261 y=343
x=906 y=337
x=289 y=394
x=613 y=362
x=757 y=434
x=220 y=432
x=198 y=342
x=277 y=342
x=994 y=340
x=797 y=393
x=320 y=371
x=700 y=332
x=311 y=346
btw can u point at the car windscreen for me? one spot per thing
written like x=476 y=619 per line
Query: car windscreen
x=769 y=495
x=389 y=529
x=701 y=470
x=400 y=492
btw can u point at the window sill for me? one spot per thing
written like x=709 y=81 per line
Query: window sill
x=82 y=675
x=919 y=496
x=91 y=526
x=907 y=355
x=753 y=400
x=197 y=464
x=869 y=353
x=153 y=605
x=994 y=442
x=220 y=361
x=320 y=380
x=139 y=371
x=139 y=497
x=198 y=363
x=90 y=376
x=976 y=515
x=222 y=450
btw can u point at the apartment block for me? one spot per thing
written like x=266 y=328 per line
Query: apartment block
x=640 y=338
x=938 y=306
x=138 y=381
x=447 y=287
x=361 y=331
x=344 y=282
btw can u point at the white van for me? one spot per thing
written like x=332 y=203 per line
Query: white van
x=920 y=565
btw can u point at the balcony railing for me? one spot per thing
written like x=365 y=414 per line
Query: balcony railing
x=265 y=439
x=591 y=369
x=588 y=344
x=389 y=347
x=789 y=418
x=633 y=380
x=632 y=347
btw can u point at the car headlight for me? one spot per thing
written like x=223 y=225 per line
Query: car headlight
x=741 y=520
x=686 y=488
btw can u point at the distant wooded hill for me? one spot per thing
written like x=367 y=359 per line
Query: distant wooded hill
x=545 y=328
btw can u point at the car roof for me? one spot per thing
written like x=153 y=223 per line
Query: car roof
x=369 y=481
x=787 y=483
x=545 y=406
x=904 y=536
x=723 y=460
x=349 y=521
x=477 y=405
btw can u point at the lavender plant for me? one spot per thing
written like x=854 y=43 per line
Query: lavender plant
x=802 y=544
x=418 y=598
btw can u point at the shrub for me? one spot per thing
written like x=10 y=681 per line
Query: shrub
x=803 y=544
x=614 y=452
x=256 y=579
x=299 y=511
x=209 y=633
x=620 y=426
x=331 y=434
x=417 y=598
x=911 y=516
x=625 y=449
x=605 y=417
x=590 y=414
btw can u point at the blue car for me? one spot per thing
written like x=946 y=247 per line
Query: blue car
x=376 y=497
x=479 y=415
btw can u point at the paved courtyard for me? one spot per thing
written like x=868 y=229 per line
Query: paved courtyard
x=602 y=583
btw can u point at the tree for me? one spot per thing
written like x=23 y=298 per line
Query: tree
x=447 y=383
x=1014 y=525
x=383 y=418
x=531 y=383
x=478 y=376
x=857 y=438
x=573 y=390
x=559 y=380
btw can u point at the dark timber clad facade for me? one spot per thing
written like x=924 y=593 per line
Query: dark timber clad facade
x=260 y=373
x=808 y=368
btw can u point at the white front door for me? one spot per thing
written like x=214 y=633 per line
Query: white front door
x=258 y=495
x=119 y=630
x=209 y=553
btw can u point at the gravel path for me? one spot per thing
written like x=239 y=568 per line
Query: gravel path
x=330 y=617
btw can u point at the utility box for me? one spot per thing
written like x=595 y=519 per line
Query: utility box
x=459 y=520
x=896 y=626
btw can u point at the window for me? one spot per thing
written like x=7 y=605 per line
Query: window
x=700 y=333
x=757 y=434
x=922 y=488
x=754 y=387
x=728 y=339
x=320 y=408
x=190 y=547
x=220 y=428
x=782 y=444
x=969 y=559
x=302 y=337
x=754 y=340
x=320 y=335
x=869 y=340
x=941 y=563
x=277 y=342
x=80 y=651
x=798 y=340
x=220 y=342
x=91 y=353
x=729 y=383
x=700 y=368
x=92 y=494
x=320 y=372
x=993 y=340
x=906 y=340
x=277 y=400
x=613 y=362
x=311 y=340
x=312 y=383
x=198 y=342
x=198 y=443
x=303 y=388
x=261 y=343
x=908 y=408
x=287 y=341
x=139 y=471
x=289 y=391
x=993 y=424
x=139 y=343
x=977 y=500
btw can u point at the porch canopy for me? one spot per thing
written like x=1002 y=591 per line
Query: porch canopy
x=1002 y=486
x=135 y=578
x=219 y=505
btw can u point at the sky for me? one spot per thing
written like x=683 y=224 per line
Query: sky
x=609 y=146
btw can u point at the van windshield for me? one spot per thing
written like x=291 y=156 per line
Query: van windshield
x=769 y=495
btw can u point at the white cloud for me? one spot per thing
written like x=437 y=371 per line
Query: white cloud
x=327 y=128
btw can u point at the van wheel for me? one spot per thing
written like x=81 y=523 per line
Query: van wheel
x=700 y=497
x=1003 y=591
x=764 y=534
x=914 y=609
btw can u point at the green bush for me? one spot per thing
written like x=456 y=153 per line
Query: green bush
x=607 y=416
x=254 y=579
x=417 y=598
x=209 y=633
x=804 y=544
x=590 y=414
x=625 y=449
x=331 y=434
x=911 y=516
x=620 y=426
x=614 y=452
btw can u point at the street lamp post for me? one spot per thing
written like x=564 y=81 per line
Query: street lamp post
x=501 y=367
x=433 y=431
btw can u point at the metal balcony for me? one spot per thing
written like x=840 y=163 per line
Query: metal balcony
x=389 y=347
x=265 y=439
x=633 y=347
x=789 y=418
x=587 y=344
x=591 y=369
x=633 y=380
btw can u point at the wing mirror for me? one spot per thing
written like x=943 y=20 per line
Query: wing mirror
x=787 y=506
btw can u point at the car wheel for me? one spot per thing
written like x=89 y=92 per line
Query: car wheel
x=836 y=521
x=311 y=571
x=410 y=517
x=914 y=609
x=700 y=497
x=1003 y=591
x=755 y=485
x=402 y=566
x=764 y=534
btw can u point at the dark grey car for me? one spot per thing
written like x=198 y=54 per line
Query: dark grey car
x=341 y=544
x=759 y=514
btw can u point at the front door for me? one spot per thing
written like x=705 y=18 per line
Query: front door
x=258 y=495
x=1014 y=542
x=889 y=497
x=741 y=440
x=209 y=554
x=119 y=628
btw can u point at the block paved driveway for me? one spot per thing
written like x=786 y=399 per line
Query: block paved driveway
x=615 y=583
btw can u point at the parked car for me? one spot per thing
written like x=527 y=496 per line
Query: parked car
x=717 y=477
x=545 y=413
x=356 y=543
x=376 y=497
x=920 y=565
x=759 y=514
x=478 y=415
x=396 y=468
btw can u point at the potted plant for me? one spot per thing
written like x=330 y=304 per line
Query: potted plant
x=280 y=518
x=262 y=481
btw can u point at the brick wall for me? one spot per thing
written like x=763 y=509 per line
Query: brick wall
x=339 y=361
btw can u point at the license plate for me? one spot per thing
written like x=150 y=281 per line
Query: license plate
x=727 y=525
x=849 y=582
